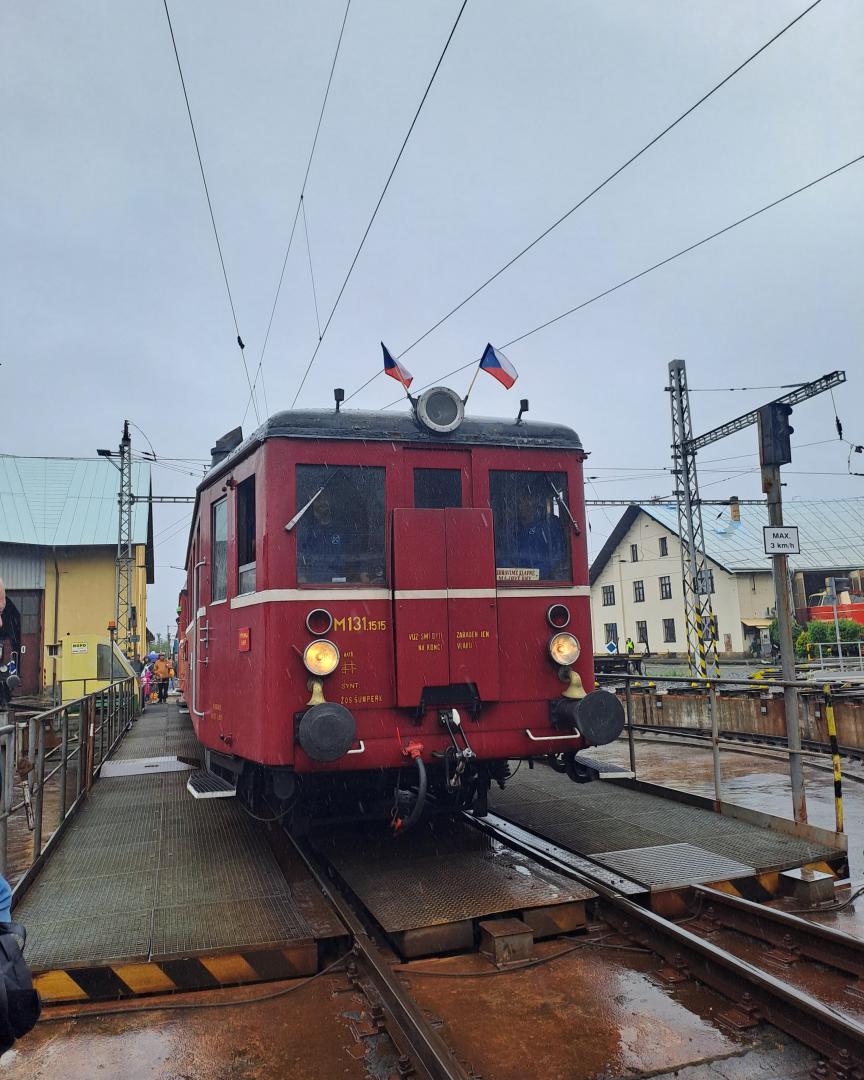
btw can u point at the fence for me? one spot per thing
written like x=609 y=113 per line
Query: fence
x=704 y=699
x=843 y=656
x=52 y=759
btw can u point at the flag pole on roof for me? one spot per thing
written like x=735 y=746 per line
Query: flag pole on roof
x=499 y=367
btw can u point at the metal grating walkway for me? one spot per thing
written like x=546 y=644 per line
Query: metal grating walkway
x=441 y=873
x=656 y=841
x=145 y=873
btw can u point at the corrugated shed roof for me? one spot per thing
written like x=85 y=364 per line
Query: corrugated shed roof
x=68 y=502
x=831 y=533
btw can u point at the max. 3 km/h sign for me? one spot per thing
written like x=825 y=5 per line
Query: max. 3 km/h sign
x=781 y=540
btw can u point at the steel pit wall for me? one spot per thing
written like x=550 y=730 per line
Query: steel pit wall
x=752 y=712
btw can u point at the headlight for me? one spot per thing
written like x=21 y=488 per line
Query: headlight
x=564 y=649
x=321 y=657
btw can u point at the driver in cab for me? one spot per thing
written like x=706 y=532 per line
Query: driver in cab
x=540 y=542
x=327 y=548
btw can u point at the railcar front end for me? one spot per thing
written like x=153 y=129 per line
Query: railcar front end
x=385 y=614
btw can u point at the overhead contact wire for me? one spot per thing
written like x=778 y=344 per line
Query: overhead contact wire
x=656 y=266
x=687 y=250
x=610 y=178
x=381 y=199
x=258 y=370
x=311 y=271
x=209 y=203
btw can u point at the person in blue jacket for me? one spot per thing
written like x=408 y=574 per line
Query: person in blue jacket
x=540 y=541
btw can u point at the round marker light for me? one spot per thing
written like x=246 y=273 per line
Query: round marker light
x=321 y=657
x=319 y=622
x=558 y=616
x=564 y=649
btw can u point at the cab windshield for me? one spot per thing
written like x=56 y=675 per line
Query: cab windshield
x=340 y=538
x=532 y=538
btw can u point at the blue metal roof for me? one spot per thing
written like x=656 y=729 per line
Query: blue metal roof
x=68 y=502
x=831 y=533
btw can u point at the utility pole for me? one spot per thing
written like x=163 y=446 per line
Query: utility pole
x=774 y=451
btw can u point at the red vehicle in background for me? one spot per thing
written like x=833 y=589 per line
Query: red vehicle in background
x=382 y=611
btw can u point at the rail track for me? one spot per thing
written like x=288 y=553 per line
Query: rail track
x=758 y=993
x=730 y=737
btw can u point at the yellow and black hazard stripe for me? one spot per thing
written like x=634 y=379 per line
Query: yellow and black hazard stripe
x=764 y=887
x=835 y=757
x=115 y=982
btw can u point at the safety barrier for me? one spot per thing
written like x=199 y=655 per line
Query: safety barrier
x=52 y=759
x=705 y=701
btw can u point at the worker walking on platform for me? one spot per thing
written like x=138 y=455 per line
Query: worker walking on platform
x=629 y=646
x=161 y=673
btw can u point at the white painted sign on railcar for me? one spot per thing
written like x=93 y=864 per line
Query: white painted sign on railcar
x=781 y=540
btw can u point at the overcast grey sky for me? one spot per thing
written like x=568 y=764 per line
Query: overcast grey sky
x=112 y=302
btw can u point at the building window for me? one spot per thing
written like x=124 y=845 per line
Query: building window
x=710 y=632
x=642 y=632
x=436 y=489
x=668 y=629
x=532 y=531
x=611 y=631
x=246 y=536
x=666 y=589
x=219 y=544
x=664 y=546
x=340 y=537
x=608 y=595
x=638 y=592
x=634 y=553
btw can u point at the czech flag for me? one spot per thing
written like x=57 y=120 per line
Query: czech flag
x=499 y=367
x=396 y=370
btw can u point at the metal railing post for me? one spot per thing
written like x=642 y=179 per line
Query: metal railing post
x=38 y=790
x=4 y=832
x=90 y=726
x=715 y=745
x=631 y=743
x=64 y=766
x=835 y=757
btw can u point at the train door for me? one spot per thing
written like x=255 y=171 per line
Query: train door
x=444 y=582
x=29 y=606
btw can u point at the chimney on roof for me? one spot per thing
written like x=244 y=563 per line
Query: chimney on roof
x=734 y=508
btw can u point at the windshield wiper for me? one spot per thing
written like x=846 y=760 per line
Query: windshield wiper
x=559 y=498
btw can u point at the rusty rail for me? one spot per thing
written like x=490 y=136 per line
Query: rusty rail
x=54 y=779
x=408 y=1027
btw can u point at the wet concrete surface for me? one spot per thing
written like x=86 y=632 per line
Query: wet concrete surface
x=313 y=1033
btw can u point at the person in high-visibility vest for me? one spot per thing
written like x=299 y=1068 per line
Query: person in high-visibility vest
x=629 y=646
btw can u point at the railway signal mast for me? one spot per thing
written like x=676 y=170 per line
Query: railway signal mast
x=774 y=451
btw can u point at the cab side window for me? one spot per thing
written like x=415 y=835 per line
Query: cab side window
x=532 y=537
x=340 y=537
x=246 y=536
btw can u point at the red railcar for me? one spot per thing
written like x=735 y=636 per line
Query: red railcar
x=390 y=598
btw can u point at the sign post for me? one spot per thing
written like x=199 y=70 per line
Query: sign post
x=774 y=451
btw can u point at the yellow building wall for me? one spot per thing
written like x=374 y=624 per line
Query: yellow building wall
x=87 y=601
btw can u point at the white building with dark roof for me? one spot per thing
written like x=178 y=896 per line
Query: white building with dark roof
x=636 y=588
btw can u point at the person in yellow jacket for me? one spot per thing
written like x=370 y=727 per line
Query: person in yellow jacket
x=161 y=674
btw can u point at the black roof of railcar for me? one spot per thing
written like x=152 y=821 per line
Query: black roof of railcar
x=355 y=425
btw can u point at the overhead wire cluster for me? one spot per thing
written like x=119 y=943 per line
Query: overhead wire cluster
x=582 y=202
